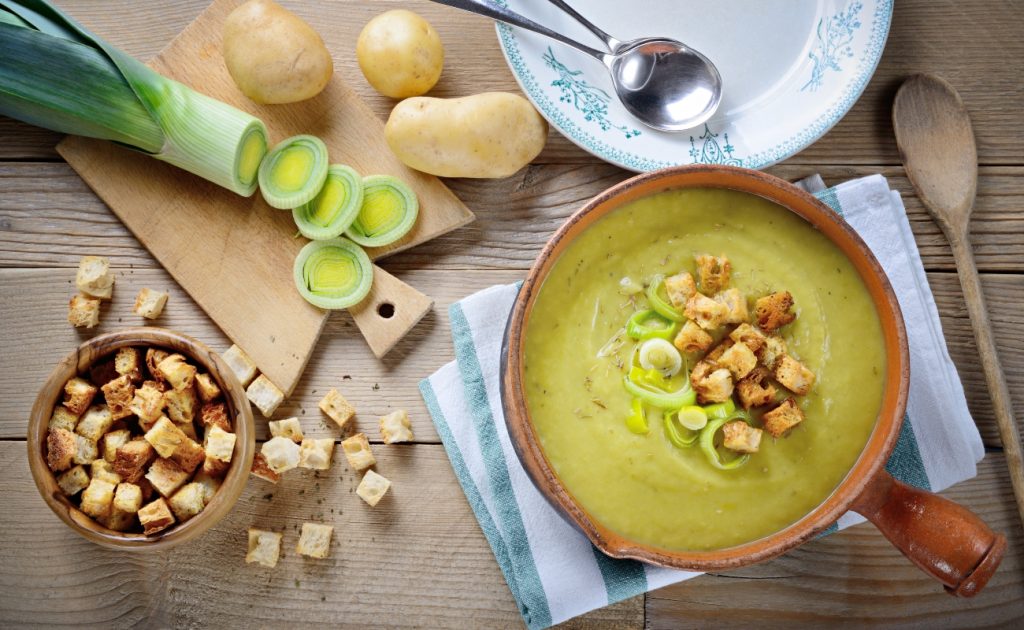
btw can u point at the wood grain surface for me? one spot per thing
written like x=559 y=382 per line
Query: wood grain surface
x=420 y=559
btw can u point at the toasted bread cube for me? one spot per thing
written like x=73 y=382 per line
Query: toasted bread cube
x=188 y=429
x=358 y=453
x=188 y=501
x=62 y=418
x=315 y=540
x=94 y=277
x=717 y=352
x=265 y=395
x=131 y=460
x=78 y=395
x=153 y=358
x=372 y=488
x=102 y=372
x=118 y=520
x=112 y=441
x=713 y=385
x=713 y=272
x=783 y=418
x=680 y=288
x=220 y=444
x=749 y=335
x=215 y=415
x=147 y=488
x=209 y=483
x=281 y=454
x=155 y=517
x=104 y=471
x=792 y=375
x=316 y=454
x=119 y=394
x=148 y=404
x=240 y=363
x=215 y=467
x=288 y=428
x=261 y=469
x=180 y=405
x=96 y=421
x=264 y=548
x=128 y=497
x=86 y=450
x=773 y=349
x=84 y=312
x=207 y=387
x=772 y=311
x=337 y=408
x=755 y=390
x=165 y=437
x=396 y=427
x=150 y=303
x=128 y=362
x=175 y=370
x=166 y=476
x=741 y=437
x=693 y=338
x=189 y=455
x=736 y=304
x=738 y=359
x=73 y=481
x=97 y=498
x=707 y=313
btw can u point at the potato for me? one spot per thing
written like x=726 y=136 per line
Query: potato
x=486 y=135
x=400 y=54
x=273 y=56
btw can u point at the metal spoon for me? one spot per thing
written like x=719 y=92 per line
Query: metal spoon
x=664 y=83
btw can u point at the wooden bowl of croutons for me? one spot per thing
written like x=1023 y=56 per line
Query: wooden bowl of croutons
x=141 y=439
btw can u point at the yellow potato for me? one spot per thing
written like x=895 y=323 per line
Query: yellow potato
x=487 y=135
x=273 y=56
x=400 y=54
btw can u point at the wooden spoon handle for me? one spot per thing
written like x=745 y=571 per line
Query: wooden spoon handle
x=1001 y=405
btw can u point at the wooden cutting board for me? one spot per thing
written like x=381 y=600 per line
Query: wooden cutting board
x=234 y=255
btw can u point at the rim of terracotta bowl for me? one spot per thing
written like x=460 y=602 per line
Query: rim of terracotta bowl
x=879 y=444
x=77 y=363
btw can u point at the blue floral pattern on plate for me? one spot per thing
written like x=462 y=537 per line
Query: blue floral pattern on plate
x=835 y=34
x=590 y=100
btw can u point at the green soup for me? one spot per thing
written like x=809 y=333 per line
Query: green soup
x=642 y=486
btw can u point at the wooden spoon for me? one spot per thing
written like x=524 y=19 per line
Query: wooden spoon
x=936 y=143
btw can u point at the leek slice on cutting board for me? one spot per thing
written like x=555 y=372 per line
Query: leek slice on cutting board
x=334 y=208
x=294 y=171
x=388 y=212
x=333 y=274
x=55 y=73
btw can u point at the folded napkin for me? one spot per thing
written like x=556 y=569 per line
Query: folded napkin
x=553 y=570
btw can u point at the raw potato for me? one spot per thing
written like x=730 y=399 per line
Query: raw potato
x=273 y=56
x=400 y=54
x=486 y=135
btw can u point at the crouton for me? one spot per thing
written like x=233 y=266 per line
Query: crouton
x=148 y=404
x=118 y=520
x=102 y=372
x=240 y=363
x=749 y=335
x=741 y=437
x=73 y=481
x=773 y=349
x=165 y=437
x=316 y=454
x=215 y=467
x=188 y=429
x=150 y=303
x=264 y=548
x=175 y=370
x=209 y=483
x=166 y=476
x=215 y=415
x=680 y=288
x=738 y=359
x=281 y=454
x=337 y=408
x=264 y=395
x=62 y=418
x=147 y=489
x=315 y=540
x=288 y=428
x=395 y=427
x=113 y=440
x=119 y=394
x=128 y=497
x=97 y=498
x=783 y=418
x=713 y=385
x=705 y=312
x=717 y=352
x=94 y=277
x=153 y=358
x=735 y=303
x=693 y=338
x=102 y=469
x=132 y=458
x=260 y=468
x=155 y=517
x=189 y=455
x=755 y=390
x=357 y=452
x=207 y=387
x=772 y=311
x=128 y=362
x=78 y=395
x=713 y=272
x=86 y=450
x=180 y=404
x=188 y=501
x=219 y=444
x=83 y=312
x=96 y=421
x=792 y=375
x=372 y=488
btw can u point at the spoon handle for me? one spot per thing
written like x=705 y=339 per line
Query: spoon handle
x=608 y=40
x=502 y=14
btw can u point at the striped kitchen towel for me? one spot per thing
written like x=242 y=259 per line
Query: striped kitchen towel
x=552 y=569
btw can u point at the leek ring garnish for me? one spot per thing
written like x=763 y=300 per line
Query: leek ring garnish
x=659 y=354
x=637 y=420
x=660 y=304
x=649 y=386
x=334 y=208
x=388 y=212
x=707 y=442
x=333 y=274
x=720 y=410
x=294 y=171
x=647 y=324
x=675 y=434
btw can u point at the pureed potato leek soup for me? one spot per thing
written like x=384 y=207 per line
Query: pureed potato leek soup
x=643 y=485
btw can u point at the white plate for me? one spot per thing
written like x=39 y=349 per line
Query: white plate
x=790 y=70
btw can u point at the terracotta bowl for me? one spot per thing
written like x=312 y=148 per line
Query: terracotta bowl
x=941 y=537
x=77 y=364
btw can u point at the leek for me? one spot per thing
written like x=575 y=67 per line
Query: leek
x=660 y=355
x=388 y=213
x=650 y=387
x=674 y=435
x=660 y=304
x=333 y=274
x=637 y=420
x=334 y=208
x=644 y=325
x=56 y=74
x=707 y=443
x=293 y=172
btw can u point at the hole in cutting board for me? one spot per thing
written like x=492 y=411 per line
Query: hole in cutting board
x=386 y=310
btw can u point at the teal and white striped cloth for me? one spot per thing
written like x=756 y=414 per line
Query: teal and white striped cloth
x=553 y=570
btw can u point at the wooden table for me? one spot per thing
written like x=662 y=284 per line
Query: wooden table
x=420 y=558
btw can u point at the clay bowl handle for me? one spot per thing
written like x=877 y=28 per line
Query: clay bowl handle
x=944 y=539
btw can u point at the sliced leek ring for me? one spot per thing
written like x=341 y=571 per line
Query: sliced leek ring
x=388 y=212
x=333 y=274
x=334 y=208
x=293 y=172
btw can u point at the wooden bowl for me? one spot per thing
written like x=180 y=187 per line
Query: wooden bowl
x=944 y=539
x=77 y=364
